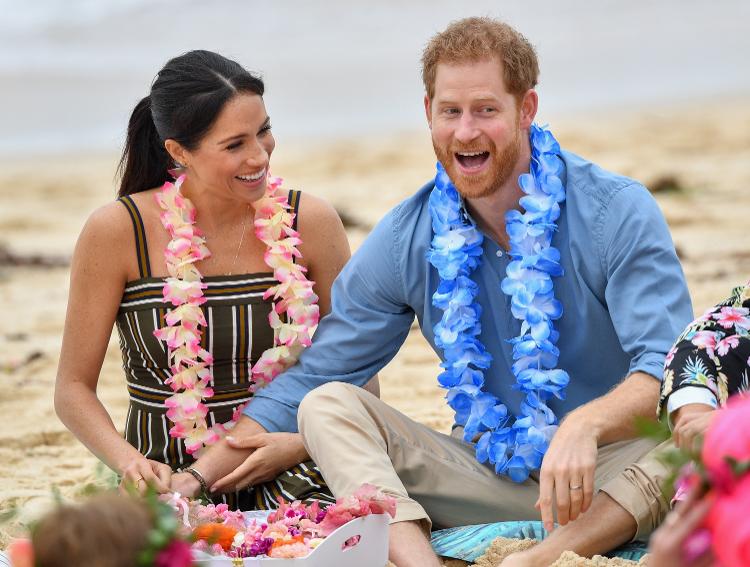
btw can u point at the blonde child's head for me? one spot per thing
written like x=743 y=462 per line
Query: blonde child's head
x=108 y=530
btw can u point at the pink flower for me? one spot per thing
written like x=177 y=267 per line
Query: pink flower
x=670 y=357
x=726 y=344
x=188 y=378
x=176 y=554
x=366 y=500
x=687 y=481
x=189 y=312
x=335 y=518
x=728 y=435
x=729 y=523
x=201 y=545
x=290 y=551
x=729 y=317
x=706 y=340
x=379 y=503
x=216 y=549
x=178 y=292
x=21 y=553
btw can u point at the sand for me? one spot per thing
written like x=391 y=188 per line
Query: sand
x=701 y=150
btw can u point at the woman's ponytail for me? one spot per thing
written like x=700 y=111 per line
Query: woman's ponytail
x=145 y=161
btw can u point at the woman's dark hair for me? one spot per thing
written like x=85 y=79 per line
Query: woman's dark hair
x=186 y=97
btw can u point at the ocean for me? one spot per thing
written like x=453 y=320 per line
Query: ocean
x=70 y=72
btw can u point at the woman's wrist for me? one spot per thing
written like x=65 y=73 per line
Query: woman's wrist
x=186 y=484
x=197 y=477
x=125 y=460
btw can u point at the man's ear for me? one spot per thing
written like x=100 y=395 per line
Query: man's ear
x=428 y=111
x=529 y=107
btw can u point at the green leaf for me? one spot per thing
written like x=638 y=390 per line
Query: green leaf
x=652 y=429
x=739 y=468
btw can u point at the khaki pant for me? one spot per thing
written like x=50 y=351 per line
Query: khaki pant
x=355 y=438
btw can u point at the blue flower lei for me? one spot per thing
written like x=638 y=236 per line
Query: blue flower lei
x=515 y=445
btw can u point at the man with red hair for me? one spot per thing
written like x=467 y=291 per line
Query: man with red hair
x=552 y=292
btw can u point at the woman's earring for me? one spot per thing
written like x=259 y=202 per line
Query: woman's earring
x=177 y=170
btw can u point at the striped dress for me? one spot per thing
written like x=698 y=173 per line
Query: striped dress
x=237 y=333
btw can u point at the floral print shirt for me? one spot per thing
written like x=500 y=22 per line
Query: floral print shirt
x=711 y=359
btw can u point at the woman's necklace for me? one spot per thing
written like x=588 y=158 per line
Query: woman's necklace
x=242 y=238
x=515 y=445
x=240 y=241
x=191 y=377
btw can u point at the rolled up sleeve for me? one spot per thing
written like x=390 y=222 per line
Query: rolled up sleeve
x=368 y=323
x=646 y=292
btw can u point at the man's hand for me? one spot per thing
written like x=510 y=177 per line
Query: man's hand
x=690 y=424
x=272 y=454
x=567 y=473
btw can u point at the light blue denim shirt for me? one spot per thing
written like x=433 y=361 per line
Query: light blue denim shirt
x=624 y=299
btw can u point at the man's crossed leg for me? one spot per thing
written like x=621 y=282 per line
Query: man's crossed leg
x=355 y=437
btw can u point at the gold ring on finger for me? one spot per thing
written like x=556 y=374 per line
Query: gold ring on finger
x=577 y=487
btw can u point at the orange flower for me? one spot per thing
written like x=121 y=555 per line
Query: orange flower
x=287 y=541
x=216 y=533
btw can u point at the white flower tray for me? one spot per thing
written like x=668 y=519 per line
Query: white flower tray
x=370 y=551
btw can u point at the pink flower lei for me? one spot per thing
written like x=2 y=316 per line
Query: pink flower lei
x=191 y=377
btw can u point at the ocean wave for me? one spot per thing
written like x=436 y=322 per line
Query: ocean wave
x=24 y=17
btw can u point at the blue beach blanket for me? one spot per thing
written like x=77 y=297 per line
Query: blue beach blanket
x=470 y=542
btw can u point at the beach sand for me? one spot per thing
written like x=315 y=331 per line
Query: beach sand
x=697 y=155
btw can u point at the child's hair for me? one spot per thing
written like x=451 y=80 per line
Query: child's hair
x=106 y=531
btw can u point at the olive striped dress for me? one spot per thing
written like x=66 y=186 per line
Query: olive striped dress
x=237 y=332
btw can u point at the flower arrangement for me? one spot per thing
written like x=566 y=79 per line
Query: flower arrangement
x=719 y=471
x=291 y=531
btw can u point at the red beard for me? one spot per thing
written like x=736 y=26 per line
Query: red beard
x=502 y=164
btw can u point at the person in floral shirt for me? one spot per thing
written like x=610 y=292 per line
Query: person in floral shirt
x=709 y=362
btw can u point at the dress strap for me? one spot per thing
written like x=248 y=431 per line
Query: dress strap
x=293 y=200
x=141 y=249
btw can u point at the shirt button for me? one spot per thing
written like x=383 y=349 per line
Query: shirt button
x=499 y=253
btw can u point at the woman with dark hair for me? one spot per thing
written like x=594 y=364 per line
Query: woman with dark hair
x=205 y=280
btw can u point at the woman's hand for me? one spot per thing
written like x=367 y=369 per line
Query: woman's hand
x=690 y=424
x=142 y=473
x=273 y=453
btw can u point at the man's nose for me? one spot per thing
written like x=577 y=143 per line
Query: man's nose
x=467 y=130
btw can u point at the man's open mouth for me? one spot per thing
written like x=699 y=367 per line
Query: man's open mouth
x=472 y=160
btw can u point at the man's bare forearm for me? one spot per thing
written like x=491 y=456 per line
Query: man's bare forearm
x=612 y=417
x=220 y=459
